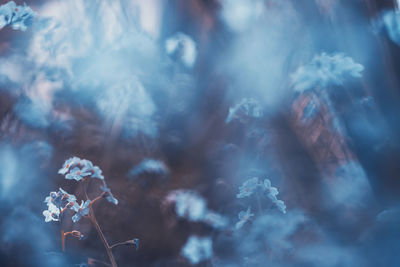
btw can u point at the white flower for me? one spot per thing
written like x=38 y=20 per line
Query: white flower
x=248 y=188
x=244 y=216
x=197 y=249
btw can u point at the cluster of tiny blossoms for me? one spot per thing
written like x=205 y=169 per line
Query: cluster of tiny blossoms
x=57 y=202
x=248 y=188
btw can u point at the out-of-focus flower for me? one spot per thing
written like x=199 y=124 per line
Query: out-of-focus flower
x=248 y=188
x=248 y=107
x=272 y=192
x=239 y=15
x=77 y=174
x=81 y=210
x=182 y=47
x=244 y=216
x=215 y=220
x=188 y=204
x=390 y=21
x=280 y=205
x=34 y=113
x=197 y=249
x=38 y=149
x=108 y=195
x=19 y=17
x=325 y=70
x=149 y=166
x=389 y=215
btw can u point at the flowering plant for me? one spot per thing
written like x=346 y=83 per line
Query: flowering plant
x=81 y=170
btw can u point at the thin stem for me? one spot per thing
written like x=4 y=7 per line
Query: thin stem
x=97 y=198
x=62 y=240
x=121 y=243
x=92 y=218
x=103 y=238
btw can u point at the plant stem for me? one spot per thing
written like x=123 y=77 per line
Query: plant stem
x=121 y=243
x=62 y=240
x=103 y=238
x=92 y=218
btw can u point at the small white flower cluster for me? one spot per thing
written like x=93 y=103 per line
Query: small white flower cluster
x=325 y=70
x=152 y=166
x=59 y=201
x=246 y=108
x=183 y=48
x=190 y=205
x=75 y=169
x=79 y=169
x=248 y=188
x=197 y=249
x=56 y=203
x=244 y=216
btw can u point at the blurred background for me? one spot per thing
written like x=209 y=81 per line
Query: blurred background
x=196 y=97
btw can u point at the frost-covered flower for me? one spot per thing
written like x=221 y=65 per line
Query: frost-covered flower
x=271 y=191
x=197 y=249
x=216 y=220
x=78 y=174
x=325 y=70
x=56 y=203
x=97 y=173
x=19 y=17
x=81 y=210
x=182 y=47
x=52 y=213
x=77 y=169
x=108 y=195
x=68 y=164
x=54 y=198
x=188 y=204
x=390 y=20
x=67 y=196
x=248 y=107
x=248 y=188
x=280 y=205
x=244 y=216
x=149 y=166
x=60 y=199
